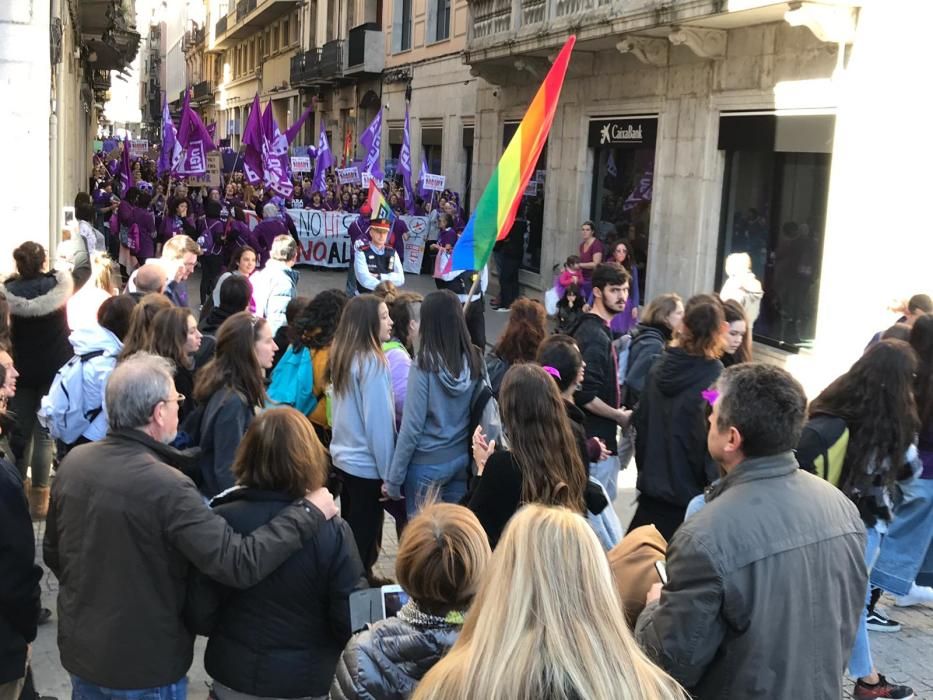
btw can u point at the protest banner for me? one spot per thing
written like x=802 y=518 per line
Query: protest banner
x=323 y=238
x=139 y=148
x=532 y=189
x=212 y=177
x=348 y=176
x=435 y=183
x=301 y=164
x=366 y=177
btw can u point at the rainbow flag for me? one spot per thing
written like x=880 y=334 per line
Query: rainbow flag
x=378 y=205
x=495 y=211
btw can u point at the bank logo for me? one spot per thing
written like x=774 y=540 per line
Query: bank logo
x=612 y=132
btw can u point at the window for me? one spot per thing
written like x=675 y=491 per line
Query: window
x=468 y=176
x=267 y=44
x=252 y=55
x=531 y=209
x=275 y=38
x=438 y=20
x=623 y=178
x=774 y=209
x=286 y=33
x=401 y=26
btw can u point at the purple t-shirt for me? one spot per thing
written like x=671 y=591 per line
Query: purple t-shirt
x=586 y=256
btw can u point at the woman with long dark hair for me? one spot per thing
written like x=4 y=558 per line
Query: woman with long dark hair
x=519 y=342
x=738 y=346
x=543 y=463
x=175 y=336
x=621 y=252
x=363 y=419
x=231 y=387
x=405 y=312
x=670 y=420
x=432 y=452
x=874 y=404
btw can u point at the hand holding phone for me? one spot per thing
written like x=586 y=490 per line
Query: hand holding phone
x=661 y=567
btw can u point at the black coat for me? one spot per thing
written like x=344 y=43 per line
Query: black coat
x=282 y=637
x=19 y=582
x=671 y=426
x=648 y=342
x=39 y=325
x=387 y=660
x=600 y=379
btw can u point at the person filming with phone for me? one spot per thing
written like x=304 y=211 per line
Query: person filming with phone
x=442 y=557
x=772 y=547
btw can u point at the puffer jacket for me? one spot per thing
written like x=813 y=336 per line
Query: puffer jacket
x=39 y=325
x=387 y=660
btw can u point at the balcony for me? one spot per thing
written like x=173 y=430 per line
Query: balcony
x=365 y=51
x=305 y=68
x=192 y=39
x=249 y=17
x=203 y=92
x=500 y=29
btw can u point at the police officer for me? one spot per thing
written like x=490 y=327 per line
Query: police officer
x=375 y=263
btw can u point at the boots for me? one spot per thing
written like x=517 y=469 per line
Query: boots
x=38 y=502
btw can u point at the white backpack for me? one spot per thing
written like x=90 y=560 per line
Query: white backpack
x=62 y=411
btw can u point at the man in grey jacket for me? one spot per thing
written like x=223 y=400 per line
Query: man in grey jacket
x=766 y=583
x=124 y=530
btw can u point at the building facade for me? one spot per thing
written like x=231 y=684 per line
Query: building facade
x=693 y=131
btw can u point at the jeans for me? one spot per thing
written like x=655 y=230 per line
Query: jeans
x=448 y=478
x=37 y=447
x=82 y=690
x=907 y=550
x=607 y=473
x=606 y=525
x=860 y=662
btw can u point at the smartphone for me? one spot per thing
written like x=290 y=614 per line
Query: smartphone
x=661 y=567
x=393 y=598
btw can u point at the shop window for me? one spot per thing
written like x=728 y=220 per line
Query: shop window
x=623 y=183
x=774 y=209
x=468 y=175
x=531 y=209
x=432 y=140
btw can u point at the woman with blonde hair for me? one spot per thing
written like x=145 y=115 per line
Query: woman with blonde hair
x=303 y=605
x=547 y=623
x=442 y=557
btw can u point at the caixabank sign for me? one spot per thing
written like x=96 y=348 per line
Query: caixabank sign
x=622 y=132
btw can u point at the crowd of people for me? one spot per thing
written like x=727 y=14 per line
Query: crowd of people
x=199 y=456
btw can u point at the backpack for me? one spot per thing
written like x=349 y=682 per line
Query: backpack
x=293 y=381
x=62 y=411
x=822 y=447
x=622 y=345
x=484 y=411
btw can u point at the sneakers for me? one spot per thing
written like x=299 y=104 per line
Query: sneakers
x=879 y=622
x=882 y=689
x=917 y=596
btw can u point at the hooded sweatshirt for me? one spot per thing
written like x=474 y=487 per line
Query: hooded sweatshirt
x=96 y=372
x=600 y=379
x=648 y=341
x=435 y=423
x=670 y=422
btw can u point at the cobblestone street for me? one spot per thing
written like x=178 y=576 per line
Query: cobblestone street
x=904 y=656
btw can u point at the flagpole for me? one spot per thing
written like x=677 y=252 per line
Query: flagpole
x=472 y=291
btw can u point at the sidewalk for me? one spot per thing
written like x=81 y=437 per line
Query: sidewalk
x=904 y=657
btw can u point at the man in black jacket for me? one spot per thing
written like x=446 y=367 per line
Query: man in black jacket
x=766 y=583
x=599 y=394
x=19 y=582
x=123 y=531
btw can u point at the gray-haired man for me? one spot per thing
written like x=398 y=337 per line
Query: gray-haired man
x=124 y=529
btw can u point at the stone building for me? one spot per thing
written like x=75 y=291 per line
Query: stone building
x=697 y=128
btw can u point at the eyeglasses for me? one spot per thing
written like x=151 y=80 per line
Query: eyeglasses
x=180 y=398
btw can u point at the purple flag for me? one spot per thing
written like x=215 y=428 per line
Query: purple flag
x=292 y=131
x=641 y=194
x=275 y=162
x=171 y=149
x=325 y=159
x=425 y=194
x=125 y=172
x=252 y=139
x=195 y=140
x=404 y=166
x=371 y=140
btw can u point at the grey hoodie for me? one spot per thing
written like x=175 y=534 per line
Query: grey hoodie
x=435 y=421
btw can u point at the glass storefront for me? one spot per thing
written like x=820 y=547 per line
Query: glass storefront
x=623 y=180
x=774 y=208
x=531 y=210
